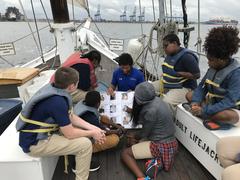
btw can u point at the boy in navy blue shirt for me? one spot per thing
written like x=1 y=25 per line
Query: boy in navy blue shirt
x=49 y=112
x=126 y=77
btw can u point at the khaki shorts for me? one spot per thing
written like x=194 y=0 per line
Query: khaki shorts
x=173 y=96
x=142 y=150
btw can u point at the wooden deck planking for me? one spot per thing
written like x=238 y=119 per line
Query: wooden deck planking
x=185 y=167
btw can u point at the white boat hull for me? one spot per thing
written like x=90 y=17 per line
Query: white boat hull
x=200 y=141
x=16 y=165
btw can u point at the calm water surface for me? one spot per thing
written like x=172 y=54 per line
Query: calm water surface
x=26 y=48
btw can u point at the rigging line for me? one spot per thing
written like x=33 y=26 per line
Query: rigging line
x=26 y=19
x=145 y=59
x=89 y=15
x=6 y=61
x=140 y=55
x=154 y=65
x=154 y=15
x=35 y=20
x=165 y=5
x=55 y=38
x=140 y=17
x=199 y=40
x=74 y=24
x=45 y=14
x=185 y=22
x=79 y=25
x=100 y=33
x=29 y=34
x=142 y=64
x=73 y=12
x=88 y=11
x=171 y=10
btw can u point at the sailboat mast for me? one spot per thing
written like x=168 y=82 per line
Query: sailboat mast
x=60 y=11
x=63 y=28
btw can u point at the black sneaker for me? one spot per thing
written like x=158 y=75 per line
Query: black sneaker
x=187 y=107
x=94 y=166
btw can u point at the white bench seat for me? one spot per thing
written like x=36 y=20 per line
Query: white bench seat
x=16 y=165
x=200 y=141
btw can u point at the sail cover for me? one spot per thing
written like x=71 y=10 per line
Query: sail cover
x=79 y=3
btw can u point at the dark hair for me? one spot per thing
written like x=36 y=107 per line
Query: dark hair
x=92 y=98
x=222 y=42
x=125 y=59
x=91 y=55
x=172 y=38
x=64 y=76
x=135 y=112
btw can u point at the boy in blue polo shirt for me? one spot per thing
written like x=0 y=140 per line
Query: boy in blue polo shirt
x=126 y=77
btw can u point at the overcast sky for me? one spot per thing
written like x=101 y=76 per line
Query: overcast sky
x=111 y=9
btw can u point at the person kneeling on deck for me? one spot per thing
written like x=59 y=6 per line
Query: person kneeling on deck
x=88 y=110
x=48 y=113
x=180 y=71
x=126 y=77
x=228 y=150
x=156 y=138
x=85 y=64
x=217 y=97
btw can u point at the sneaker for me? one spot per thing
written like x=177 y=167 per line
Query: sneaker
x=213 y=125
x=153 y=167
x=144 y=178
x=186 y=106
x=94 y=166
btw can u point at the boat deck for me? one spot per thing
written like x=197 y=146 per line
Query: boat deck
x=185 y=167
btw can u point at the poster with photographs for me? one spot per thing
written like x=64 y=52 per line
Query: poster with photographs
x=115 y=107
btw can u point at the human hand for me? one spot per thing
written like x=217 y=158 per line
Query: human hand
x=186 y=75
x=110 y=91
x=196 y=109
x=121 y=130
x=127 y=109
x=99 y=136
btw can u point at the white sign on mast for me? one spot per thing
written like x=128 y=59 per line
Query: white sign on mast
x=116 y=44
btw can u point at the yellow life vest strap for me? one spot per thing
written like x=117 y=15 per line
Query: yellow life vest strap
x=36 y=122
x=49 y=127
x=168 y=65
x=172 y=77
x=40 y=130
x=211 y=95
x=174 y=82
x=212 y=83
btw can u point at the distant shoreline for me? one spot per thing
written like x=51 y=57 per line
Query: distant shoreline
x=109 y=21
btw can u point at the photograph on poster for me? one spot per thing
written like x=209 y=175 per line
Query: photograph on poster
x=116 y=107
